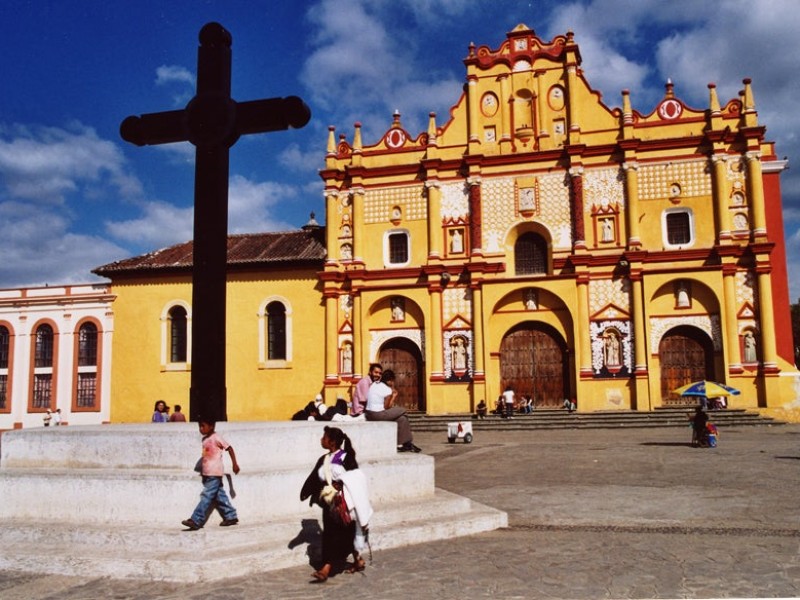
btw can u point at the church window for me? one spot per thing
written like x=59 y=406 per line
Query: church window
x=678 y=228
x=276 y=331
x=178 y=345
x=5 y=350
x=396 y=248
x=43 y=351
x=86 y=376
x=530 y=255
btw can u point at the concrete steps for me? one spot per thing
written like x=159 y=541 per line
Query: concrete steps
x=561 y=419
x=213 y=553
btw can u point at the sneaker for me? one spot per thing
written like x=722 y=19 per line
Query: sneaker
x=191 y=525
x=415 y=448
x=228 y=522
x=407 y=447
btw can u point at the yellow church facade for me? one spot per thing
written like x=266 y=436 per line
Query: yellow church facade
x=536 y=239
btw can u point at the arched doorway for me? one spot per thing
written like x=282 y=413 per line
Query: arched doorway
x=686 y=354
x=534 y=361
x=404 y=358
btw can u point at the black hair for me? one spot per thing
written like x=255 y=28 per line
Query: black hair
x=207 y=422
x=388 y=375
x=341 y=441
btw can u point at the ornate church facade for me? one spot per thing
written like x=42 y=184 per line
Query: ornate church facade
x=535 y=238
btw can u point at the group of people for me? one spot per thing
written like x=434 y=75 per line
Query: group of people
x=375 y=397
x=507 y=404
x=161 y=413
x=52 y=418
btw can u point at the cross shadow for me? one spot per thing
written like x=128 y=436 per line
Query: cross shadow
x=310 y=533
x=686 y=444
x=788 y=457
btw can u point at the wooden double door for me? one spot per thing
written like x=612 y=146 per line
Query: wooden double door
x=404 y=358
x=686 y=354
x=534 y=361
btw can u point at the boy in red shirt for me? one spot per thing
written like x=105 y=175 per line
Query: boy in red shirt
x=212 y=470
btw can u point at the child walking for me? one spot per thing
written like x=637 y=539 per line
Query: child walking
x=213 y=494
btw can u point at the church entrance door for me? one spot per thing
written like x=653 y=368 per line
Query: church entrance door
x=686 y=354
x=404 y=358
x=534 y=361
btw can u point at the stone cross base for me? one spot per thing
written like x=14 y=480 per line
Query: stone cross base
x=108 y=500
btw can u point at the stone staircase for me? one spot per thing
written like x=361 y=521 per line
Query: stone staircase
x=674 y=416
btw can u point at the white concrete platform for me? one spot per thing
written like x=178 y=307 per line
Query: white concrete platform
x=108 y=500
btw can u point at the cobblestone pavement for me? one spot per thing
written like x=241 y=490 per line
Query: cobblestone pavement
x=592 y=514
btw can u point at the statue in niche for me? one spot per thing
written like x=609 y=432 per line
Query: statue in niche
x=683 y=300
x=398 y=309
x=608 y=230
x=526 y=199
x=347 y=358
x=530 y=300
x=346 y=232
x=611 y=349
x=750 y=347
x=458 y=353
x=457 y=242
x=346 y=251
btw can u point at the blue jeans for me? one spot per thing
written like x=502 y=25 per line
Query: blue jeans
x=213 y=496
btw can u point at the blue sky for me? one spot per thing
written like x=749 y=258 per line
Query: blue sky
x=74 y=196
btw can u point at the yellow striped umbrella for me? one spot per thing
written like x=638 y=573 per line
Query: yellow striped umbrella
x=709 y=389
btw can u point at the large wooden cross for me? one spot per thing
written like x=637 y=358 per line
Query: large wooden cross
x=212 y=121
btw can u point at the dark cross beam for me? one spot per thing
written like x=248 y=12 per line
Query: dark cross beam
x=212 y=121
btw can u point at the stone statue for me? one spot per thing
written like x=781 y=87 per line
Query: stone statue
x=347 y=358
x=612 y=349
x=608 y=230
x=750 y=355
x=458 y=351
x=398 y=310
x=457 y=242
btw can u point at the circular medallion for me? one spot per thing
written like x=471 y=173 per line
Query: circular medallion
x=395 y=138
x=670 y=109
x=489 y=104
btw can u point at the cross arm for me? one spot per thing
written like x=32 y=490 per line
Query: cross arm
x=155 y=128
x=274 y=114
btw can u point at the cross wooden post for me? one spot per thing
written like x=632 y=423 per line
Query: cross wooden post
x=212 y=121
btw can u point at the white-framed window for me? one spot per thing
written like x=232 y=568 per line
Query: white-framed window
x=677 y=228
x=275 y=333
x=396 y=248
x=176 y=336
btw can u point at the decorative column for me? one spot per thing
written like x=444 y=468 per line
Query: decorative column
x=505 y=110
x=767 y=319
x=472 y=108
x=543 y=136
x=358 y=338
x=435 y=245
x=331 y=230
x=475 y=232
x=477 y=332
x=632 y=206
x=582 y=338
x=358 y=223
x=331 y=338
x=639 y=340
x=731 y=331
x=755 y=193
x=578 y=230
x=721 y=196
x=437 y=367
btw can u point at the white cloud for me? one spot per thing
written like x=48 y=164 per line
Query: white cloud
x=166 y=74
x=45 y=164
x=161 y=224
x=252 y=205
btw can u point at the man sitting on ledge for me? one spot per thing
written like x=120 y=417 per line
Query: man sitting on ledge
x=380 y=407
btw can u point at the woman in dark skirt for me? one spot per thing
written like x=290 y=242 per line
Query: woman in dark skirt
x=339 y=466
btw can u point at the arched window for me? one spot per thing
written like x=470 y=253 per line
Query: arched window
x=43 y=367
x=5 y=351
x=530 y=254
x=86 y=376
x=177 y=335
x=276 y=331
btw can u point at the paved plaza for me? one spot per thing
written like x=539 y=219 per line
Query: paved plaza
x=592 y=514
